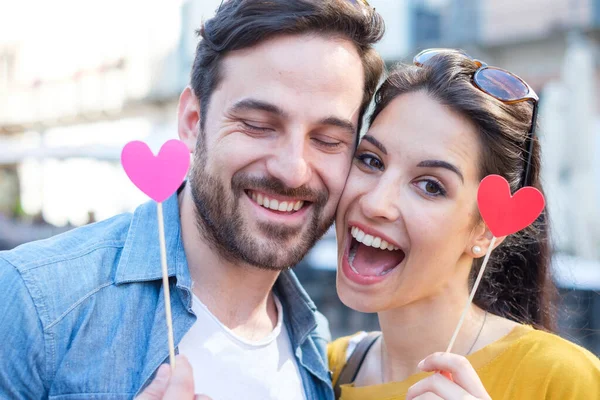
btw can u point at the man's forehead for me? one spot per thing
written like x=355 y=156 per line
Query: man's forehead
x=311 y=79
x=313 y=62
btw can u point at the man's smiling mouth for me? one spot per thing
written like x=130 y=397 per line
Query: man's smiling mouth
x=287 y=206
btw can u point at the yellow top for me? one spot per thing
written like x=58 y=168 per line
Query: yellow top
x=525 y=364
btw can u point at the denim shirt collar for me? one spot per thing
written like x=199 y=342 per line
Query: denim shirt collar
x=140 y=258
x=300 y=319
x=297 y=305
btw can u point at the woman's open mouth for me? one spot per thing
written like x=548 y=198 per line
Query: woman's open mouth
x=370 y=258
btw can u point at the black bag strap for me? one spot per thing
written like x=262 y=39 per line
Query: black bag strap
x=350 y=369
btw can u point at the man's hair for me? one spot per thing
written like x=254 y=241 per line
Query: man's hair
x=240 y=24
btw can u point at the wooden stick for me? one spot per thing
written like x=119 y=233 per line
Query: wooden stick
x=165 y=276
x=464 y=313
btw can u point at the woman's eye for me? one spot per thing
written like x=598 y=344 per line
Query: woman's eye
x=431 y=188
x=371 y=161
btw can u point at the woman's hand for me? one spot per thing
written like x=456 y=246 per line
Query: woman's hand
x=465 y=383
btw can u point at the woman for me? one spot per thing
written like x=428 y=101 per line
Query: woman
x=410 y=241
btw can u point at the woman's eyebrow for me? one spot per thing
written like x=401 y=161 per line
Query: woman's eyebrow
x=375 y=143
x=442 y=164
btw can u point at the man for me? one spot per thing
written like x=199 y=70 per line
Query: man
x=277 y=93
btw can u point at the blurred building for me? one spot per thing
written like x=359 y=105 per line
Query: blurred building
x=72 y=94
x=528 y=37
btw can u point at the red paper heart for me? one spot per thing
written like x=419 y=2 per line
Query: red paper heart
x=505 y=214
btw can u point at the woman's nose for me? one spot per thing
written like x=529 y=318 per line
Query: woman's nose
x=382 y=202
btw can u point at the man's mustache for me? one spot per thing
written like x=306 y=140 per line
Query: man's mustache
x=273 y=185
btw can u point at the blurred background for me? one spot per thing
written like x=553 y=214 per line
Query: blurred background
x=79 y=79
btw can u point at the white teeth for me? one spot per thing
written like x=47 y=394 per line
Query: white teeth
x=370 y=240
x=360 y=235
x=273 y=204
x=376 y=242
x=283 y=206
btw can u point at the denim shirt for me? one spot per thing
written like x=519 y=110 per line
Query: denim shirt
x=82 y=314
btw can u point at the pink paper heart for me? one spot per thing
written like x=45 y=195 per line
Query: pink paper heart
x=157 y=176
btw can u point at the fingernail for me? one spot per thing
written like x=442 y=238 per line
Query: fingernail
x=163 y=373
x=182 y=360
x=421 y=364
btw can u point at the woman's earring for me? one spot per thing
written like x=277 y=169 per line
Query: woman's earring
x=476 y=249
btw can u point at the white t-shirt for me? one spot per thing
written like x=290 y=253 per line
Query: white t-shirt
x=227 y=366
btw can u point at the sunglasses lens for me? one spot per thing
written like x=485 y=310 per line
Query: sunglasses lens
x=424 y=56
x=360 y=2
x=501 y=84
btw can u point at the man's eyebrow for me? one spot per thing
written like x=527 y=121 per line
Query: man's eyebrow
x=259 y=105
x=345 y=124
x=375 y=143
x=442 y=164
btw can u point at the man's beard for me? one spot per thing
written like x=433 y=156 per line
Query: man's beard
x=221 y=223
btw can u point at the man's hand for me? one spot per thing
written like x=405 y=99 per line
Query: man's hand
x=176 y=386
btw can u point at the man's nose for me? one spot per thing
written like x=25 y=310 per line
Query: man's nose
x=290 y=163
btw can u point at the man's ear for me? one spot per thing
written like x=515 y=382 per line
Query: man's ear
x=188 y=118
x=481 y=240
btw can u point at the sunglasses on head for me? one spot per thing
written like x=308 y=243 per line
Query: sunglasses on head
x=501 y=85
